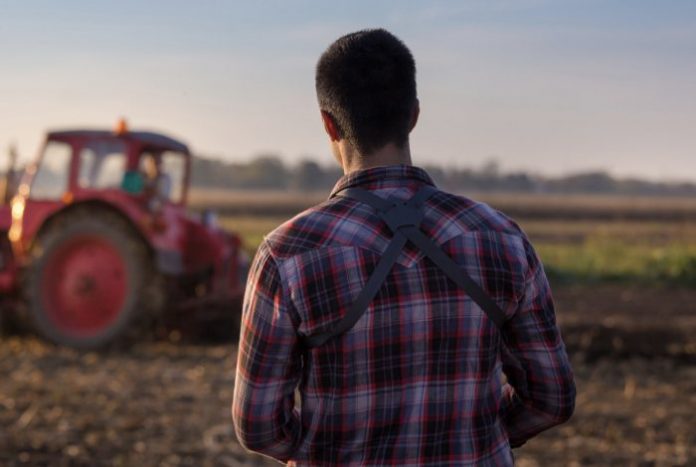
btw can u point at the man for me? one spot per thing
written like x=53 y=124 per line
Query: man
x=412 y=371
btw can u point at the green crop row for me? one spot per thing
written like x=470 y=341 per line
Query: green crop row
x=613 y=260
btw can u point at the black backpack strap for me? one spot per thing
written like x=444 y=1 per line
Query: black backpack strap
x=456 y=274
x=404 y=220
x=393 y=213
x=357 y=309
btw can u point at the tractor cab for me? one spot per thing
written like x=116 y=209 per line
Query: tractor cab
x=76 y=163
x=100 y=238
x=144 y=175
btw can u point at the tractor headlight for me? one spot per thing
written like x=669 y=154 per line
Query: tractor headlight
x=18 y=203
x=17 y=210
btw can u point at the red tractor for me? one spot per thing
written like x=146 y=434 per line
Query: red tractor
x=97 y=240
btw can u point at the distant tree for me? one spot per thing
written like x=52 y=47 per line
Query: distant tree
x=490 y=169
x=436 y=173
x=266 y=171
x=212 y=172
x=518 y=182
x=590 y=182
x=308 y=176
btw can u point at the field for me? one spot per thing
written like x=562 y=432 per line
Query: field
x=624 y=279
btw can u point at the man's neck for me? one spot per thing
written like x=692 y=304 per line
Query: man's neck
x=390 y=154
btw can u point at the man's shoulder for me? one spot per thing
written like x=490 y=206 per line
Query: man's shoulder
x=471 y=215
x=310 y=229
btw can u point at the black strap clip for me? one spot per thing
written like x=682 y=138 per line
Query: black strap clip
x=402 y=215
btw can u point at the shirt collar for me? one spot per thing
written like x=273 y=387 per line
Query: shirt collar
x=383 y=177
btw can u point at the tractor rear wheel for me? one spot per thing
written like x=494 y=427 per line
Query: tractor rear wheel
x=91 y=281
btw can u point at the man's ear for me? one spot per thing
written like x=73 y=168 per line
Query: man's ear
x=414 y=115
x=330 y=126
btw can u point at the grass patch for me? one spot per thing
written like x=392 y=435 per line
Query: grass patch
x=252 y=229
x=610 y=260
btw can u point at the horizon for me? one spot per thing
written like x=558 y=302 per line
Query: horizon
x=549 y=88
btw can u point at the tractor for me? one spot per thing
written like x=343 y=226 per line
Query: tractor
x=97 y=242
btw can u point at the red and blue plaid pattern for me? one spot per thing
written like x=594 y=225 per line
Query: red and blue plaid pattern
x=419 y=379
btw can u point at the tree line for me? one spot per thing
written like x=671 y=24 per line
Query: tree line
x=271 y=173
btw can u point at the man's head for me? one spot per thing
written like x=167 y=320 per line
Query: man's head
x=366 y=87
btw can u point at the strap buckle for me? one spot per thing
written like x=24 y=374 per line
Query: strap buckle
x=402 y=215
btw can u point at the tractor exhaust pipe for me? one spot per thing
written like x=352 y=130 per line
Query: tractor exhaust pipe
x=8 y=181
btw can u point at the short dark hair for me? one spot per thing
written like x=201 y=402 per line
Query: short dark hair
x=366 y=81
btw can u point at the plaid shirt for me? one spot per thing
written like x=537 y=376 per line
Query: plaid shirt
x=419 y=379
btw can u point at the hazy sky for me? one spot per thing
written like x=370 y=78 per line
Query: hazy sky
x=548 y=86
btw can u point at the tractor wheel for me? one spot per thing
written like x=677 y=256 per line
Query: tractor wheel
x=91 y=281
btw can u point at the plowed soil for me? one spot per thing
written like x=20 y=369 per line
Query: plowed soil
x=166 y=401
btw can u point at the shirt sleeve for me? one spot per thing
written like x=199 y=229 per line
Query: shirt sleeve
x=540 y=388
x=268 y=364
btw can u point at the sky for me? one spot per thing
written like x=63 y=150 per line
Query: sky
x=551 y=87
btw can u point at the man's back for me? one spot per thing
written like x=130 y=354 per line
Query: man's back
x=418 y=380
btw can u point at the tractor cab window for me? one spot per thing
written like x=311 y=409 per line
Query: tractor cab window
x=160 y=175
x=173 y=171
x=50 y=180
x=102 y=164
